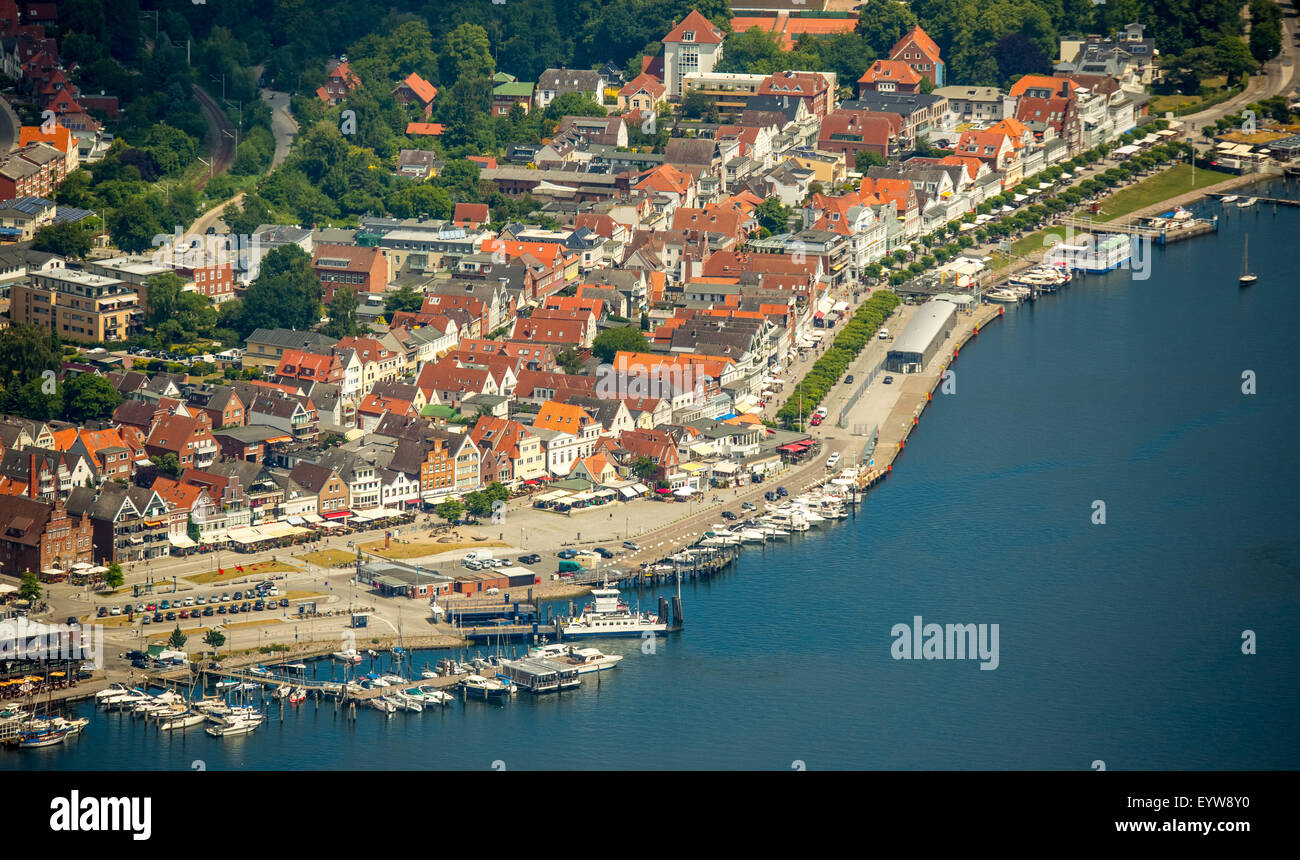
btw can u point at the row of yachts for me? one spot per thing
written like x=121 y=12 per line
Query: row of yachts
x=779 y=520
x=1029 y=283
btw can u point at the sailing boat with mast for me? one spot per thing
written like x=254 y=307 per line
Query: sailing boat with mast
x=1248 y=277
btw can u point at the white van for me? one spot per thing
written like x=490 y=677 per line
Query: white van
x=478 y=555
x=884 y=334
x=833 y=460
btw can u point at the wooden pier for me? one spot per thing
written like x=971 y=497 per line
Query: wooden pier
x=1261 y=201
x=1161 y=231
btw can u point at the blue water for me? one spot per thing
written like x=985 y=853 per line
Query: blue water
x=1119 y=642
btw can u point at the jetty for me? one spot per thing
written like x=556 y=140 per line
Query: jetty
x=1161 y=231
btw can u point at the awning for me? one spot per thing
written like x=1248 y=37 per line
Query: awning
x=337 y=515
x=628 y=492
x=311 y=518
x=245 y=535
x=1019 y=197
x=725 y=468
x=297 y=521
x=582 y=497
x=81 y=565
x=362 y=516
x=218 y=536
x=181 y=541
x=600 y=494
x=641 y=488
x=684 y=491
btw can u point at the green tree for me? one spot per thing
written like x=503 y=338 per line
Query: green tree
x=67 y=239
x=178 y=639
x=168 y=464
x=30 y=587
x=342 y=311
x=1233 y=58
x=478 y=505
x=285 y=294
x=162 y=292
x=882 y=23
x=615 y=340
x=133 y=226
x=404 y=298
x=774 y=215
x=113 y=578
x=467 y=53
x=89 y=397
x=214 y=640
x=644 y=468
x=864 y=158
x=451 y=511
x=569 y=361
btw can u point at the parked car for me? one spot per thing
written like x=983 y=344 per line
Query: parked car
x=747 y=506
x=183 y=614
x=200 y=600
x=221 y=610
x=782 y=492
x=604 y=553
x=632 y=545
x=284 y=601
x=770 y=496
x=238 y=595
x=146 y=620
x=157 y=617
x=816 y=421
x=728 y=516
x=234 y=609
x=566 y=553
x=531 y=558
x=116 y=610
x=152 y=607
x=207 y=611
x=103 y=611
x=889 y=380
x=189 y=601
x=244 y=607
x=225 y=597
x=473 y=565
x=170 y=616
x=848 y=380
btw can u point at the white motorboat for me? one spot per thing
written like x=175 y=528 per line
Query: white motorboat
x=379 y=703
x=405 y=702
x=1230 y=198
x=182 y=721
x=393 y=680
x=1247 y=203
x=348 y=655
x=478 y=687
x=124 y=699
x=609 y=615
x=1002 y=296
x=72 y=727
x=240 y=721
x=298 y=696
x=282 y=691
x=435 y=696
x=111 y=692
x=586 y=660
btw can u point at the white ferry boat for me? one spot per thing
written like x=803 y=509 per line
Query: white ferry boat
x=587 y=660
x=609 y=615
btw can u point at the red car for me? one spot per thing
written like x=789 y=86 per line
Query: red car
x=816 y=420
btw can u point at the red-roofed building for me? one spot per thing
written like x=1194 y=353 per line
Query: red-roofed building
x=852 y=131
x=559 y=333
x=425 y=129
x=642 y=93
x=1049 y=101
x=190 y=439
x=363 y=268
x=375 y=406
x=470 y=214
x=889 y=76
x=694 y=45
x=338 y=84
x=306 y=368
x=812 y=88
x=416 y=90
x=920 y=52
x=725 y=222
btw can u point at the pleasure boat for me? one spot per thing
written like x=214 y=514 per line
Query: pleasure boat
x=73 y=727
x=225 y=684
x=478 y=687
x=298 y=696
x=393 y=680
x=348 y=655
x=1230 y=198
x=586 y=660
x=753 y=536
x=46 y=737
x=433 y=695
x=182 y=721
x=1247 y=203
x=609 y=615
x=293 y=667
x=282 y=691
x=1002 y=297
x=240 y=726
x=111 y=692
x=405 y=702
x=260 y=671
x=379 y=703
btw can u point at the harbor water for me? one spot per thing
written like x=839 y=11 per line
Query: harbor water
x=1119 y=641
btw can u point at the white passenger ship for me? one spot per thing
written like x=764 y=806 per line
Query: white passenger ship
x=609 y=615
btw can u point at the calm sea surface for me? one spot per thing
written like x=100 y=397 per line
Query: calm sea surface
x=1119 y=642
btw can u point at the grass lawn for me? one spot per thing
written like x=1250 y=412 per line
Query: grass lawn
x=1031 y=246
x=249 y=570
x=302 y=595
x=1172 y=182
x=328 y=557
x=422 y=548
